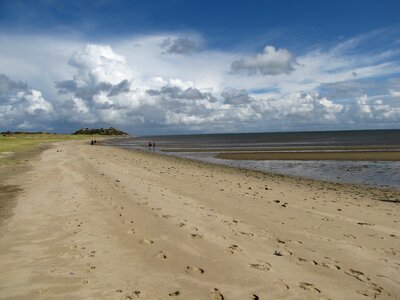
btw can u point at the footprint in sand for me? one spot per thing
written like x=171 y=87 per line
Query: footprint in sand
x=194 y=270
x=390 y=251
x=263 y=266
x=331 y=265
x=246 y=233
x=162 y=255
x=90 y=268
x=215 y=294
x=301 y=259
x=350 y=235
x=357 y=274
x=176 y=293
x=146 y=241
x=233 y=249
x=282 y=252
x=263 y=233
x=309 y=287
x=374 y=291
x=127 y=222
x=365 y=223
x=194 y=228
x=196 y=236
x=135 y=294
x=131 y=231
x=281 y=285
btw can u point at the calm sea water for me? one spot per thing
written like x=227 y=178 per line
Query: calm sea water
x=376 y=173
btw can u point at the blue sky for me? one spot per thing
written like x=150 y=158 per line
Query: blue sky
x=225 y=23
x=160 y=67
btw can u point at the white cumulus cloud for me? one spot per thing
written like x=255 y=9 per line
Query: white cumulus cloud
x=136 y=84
x=22 y=107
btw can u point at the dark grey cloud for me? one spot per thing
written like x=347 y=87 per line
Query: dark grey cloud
x=351 y=89
x=174 y=92
x=122 y=87
x=87 y=92
x=179 y=46
x=269 y=62
x=8 y=86
x=66 y=86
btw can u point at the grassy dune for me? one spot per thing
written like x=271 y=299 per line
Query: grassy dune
x=13 y=146
x=22 y=142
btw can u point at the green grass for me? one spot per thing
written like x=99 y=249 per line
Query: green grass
x=17 y=143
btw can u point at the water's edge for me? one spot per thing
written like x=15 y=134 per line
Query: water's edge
x=380 y=174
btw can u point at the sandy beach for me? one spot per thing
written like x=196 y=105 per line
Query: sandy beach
x=96 y=222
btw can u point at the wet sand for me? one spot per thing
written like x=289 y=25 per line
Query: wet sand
x=95 y=222
x=301 y=155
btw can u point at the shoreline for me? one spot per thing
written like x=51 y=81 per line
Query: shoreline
x=372 y=148
x=271 y=173
x=340 y=164
x=122 y=224
x=248 y=170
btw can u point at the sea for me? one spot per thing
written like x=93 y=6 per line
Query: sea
x=205 y=147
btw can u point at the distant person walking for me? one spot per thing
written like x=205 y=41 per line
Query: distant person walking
x=154 y=146
x=92 y=143
x=150 y=144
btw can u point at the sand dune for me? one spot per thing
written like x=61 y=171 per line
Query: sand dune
x=95 y=222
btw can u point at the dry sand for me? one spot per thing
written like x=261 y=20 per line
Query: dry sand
x=95 y=222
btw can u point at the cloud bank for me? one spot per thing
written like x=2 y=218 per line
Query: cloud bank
x=21 y=107
x=164 y=84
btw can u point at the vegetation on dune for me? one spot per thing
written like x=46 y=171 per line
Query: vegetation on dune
x=23 y=132
x=18 y=142
x=100 y=131
x=12 y=142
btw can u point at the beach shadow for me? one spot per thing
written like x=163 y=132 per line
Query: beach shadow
x=8 y=195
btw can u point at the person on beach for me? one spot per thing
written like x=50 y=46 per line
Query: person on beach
x=91 y=143
x=154 y=146
x=150 y=144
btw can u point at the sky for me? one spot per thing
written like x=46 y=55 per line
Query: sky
x=181 y=66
